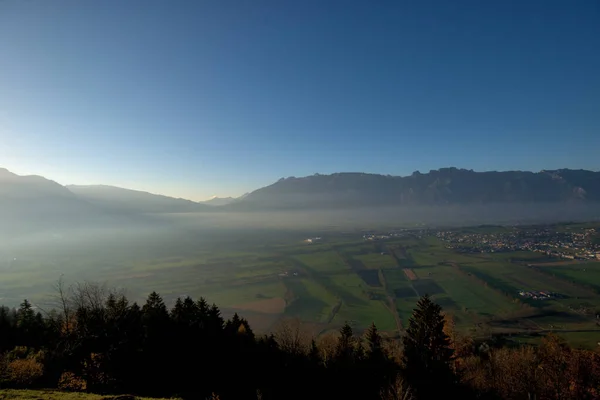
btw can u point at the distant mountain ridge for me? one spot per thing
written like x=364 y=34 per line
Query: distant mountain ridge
x=32 y=203
x=128 y=200
x=35 y=195
x=29 y=187
x=446 y=186
x=219 y=201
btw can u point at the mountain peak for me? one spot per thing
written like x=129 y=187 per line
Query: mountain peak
x=219 y=201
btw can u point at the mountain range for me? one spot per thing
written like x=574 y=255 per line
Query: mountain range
x=41 y=198
x=446 y=186
x=116 y=198
x=31 y=203
x=222 y=201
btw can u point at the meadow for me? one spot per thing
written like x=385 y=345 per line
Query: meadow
x=269 y=275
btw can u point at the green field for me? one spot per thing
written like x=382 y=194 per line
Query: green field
x=271 y=275
x=377 y=261
x=584 y=273
x=323 y=262
x=309 y=300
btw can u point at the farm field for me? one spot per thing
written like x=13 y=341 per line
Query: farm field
x=587 y=273
x=343 y=278
x=377 y=261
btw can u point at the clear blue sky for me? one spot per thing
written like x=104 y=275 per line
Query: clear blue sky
x=199 y=98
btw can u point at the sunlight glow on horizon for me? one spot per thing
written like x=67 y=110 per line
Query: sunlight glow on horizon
x=58 y=175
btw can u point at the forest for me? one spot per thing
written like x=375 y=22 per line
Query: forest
x=95 y=340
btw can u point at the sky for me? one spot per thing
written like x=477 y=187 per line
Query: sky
x=196 y=98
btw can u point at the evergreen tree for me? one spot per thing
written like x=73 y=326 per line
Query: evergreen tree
x=374 y=342
x=232 y=325
x=202 y=310
x=345 y=345
x=27 y=325
x=190 y=312
x=177 y=311
x=359 y=352
x=25 y=315
x=6 y=330
x=157 y=331
x=155 y=317
x=215 y=320
x=155 y=307
x=427 y=353
x=379 y=369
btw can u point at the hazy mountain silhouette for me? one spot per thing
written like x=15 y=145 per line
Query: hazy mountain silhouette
x=446 y=186
x=449 y=194
x=13 y=186
x=30 y=203
x=219 y=201
x=119 y=199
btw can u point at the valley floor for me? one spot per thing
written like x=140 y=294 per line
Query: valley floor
x=488 y=278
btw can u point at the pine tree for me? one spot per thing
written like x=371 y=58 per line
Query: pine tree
x=359 y=352
x=25 y=315
x=233 y=324
x=215 y=320
x=177 y=311
x=373 y=338
x=157 y=330
x=26 y=323
x=379 y=368
x=246 y=328
x=155 y=305
x=190 y=311
x=345 y=345
x=155 y=317
x=427 y=353
x=7 y=329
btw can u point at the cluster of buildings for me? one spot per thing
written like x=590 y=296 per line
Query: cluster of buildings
x=538 y=295
x=571 y=245
x=387 y=235
x=371 y=236
x=288 y=273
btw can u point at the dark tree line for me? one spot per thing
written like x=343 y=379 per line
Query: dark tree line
x=98 y=341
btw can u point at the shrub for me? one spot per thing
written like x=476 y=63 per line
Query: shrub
x=17 y=353
x=24 y=372
x=93 y=372
x=23 y=352
x=71 y=382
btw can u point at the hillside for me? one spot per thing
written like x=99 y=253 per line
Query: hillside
x=116 y=198
x=17 y=187
x=28 y=203
x=446 y=186
x=34 y=204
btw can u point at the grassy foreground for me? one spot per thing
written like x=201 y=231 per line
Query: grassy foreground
x=10 y=394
